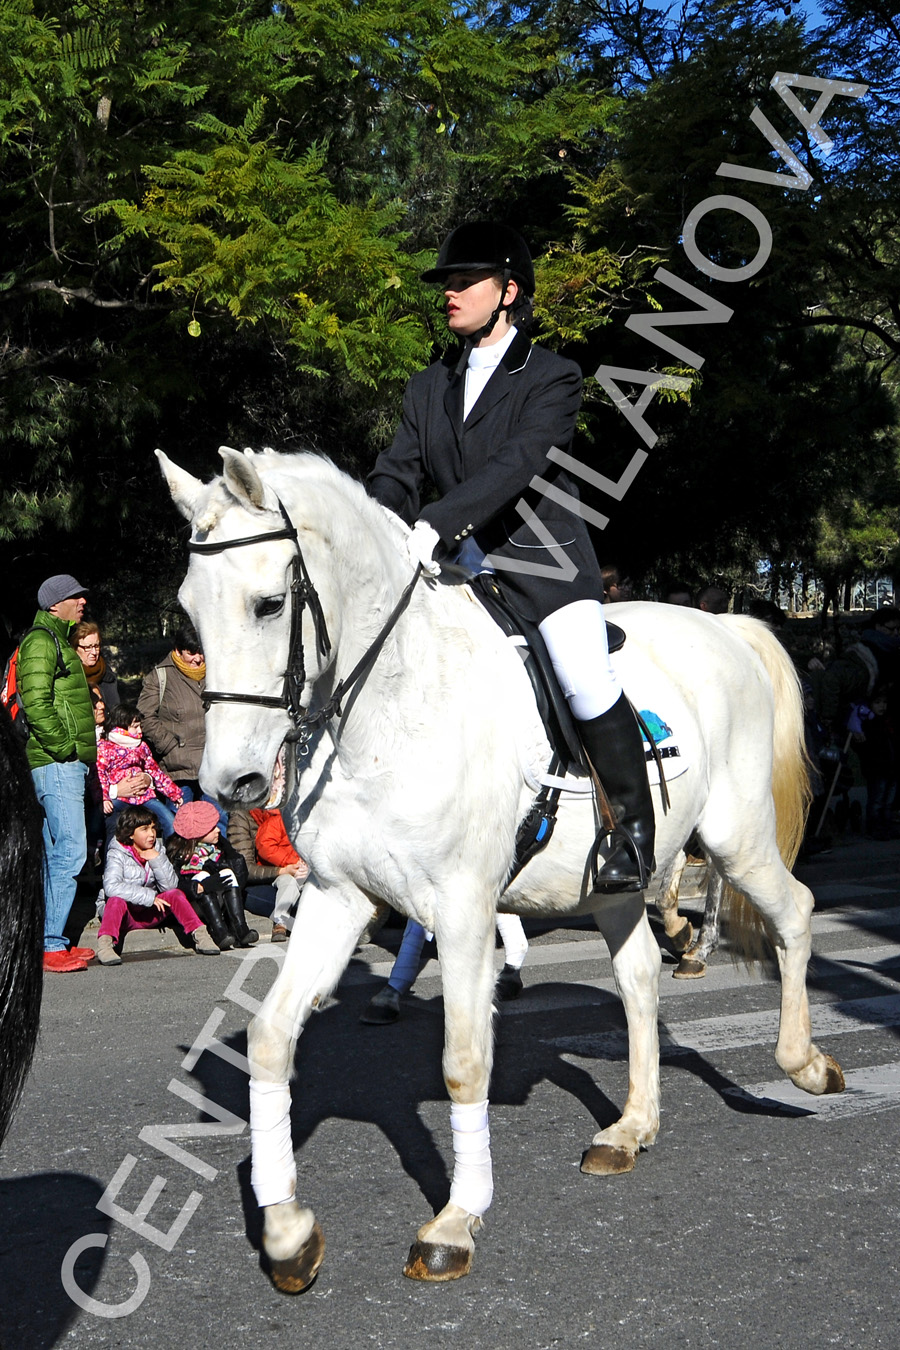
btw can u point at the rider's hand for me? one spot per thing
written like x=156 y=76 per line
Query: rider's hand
x=420 y=546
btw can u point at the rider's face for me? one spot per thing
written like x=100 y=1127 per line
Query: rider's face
x=472 y=298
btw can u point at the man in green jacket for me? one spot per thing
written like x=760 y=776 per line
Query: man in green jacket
x=61 y=744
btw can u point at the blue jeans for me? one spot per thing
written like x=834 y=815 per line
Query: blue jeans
x=163 y=814
x=60 y=791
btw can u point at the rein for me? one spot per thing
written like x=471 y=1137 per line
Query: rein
x=303 y=593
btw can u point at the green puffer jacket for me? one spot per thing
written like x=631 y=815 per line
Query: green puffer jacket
x=59 y=711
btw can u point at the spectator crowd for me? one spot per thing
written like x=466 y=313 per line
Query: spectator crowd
x=119 y=781
x=118 y=784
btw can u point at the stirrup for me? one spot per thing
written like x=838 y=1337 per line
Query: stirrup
x=642 y=877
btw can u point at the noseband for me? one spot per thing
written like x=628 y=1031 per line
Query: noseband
x=303 y=593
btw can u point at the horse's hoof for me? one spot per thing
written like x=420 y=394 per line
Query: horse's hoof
x=834 y=1076
x=822 y=1075
x=605 y=1160
x=437 y=1262
x=509 y=985
x=683 y=938
x=689 y=969
x=298 y=1272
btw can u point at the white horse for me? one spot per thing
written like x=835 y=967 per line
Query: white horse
x=414 y=791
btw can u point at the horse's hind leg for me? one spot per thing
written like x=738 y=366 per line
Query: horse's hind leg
x=678 y=928
x=444 y=1247
x=786 y=905
x=636 y=965
x=692 y=965
x=323 y=939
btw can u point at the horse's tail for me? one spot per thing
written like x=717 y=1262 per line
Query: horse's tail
x=791 y=791
x=21 y=919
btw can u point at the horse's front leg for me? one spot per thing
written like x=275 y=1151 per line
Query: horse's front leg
x=323 y=939
x=444 y=1247
x=636 y=965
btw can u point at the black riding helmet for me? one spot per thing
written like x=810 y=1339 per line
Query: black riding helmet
x=497 y=249
x=483 y=243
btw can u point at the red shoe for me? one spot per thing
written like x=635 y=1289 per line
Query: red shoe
x=63 y=961
x=83 y=953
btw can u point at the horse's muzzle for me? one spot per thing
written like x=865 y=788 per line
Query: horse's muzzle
x=252 y=789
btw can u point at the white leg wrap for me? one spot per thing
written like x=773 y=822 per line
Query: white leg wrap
x=515 y=943
x=273 y=1172
x=473 y=1178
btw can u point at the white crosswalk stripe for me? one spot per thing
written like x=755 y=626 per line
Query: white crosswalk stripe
x=876 y=1088
x=706 y=1035
x=571 y=972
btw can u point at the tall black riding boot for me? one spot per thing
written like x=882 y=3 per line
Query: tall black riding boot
x=210 y=911
x=615 y=748
x=234 y=908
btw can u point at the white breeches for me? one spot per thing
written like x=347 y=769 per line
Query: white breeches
x=576 y=640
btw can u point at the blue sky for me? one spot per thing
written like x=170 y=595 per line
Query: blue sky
x=812 y=11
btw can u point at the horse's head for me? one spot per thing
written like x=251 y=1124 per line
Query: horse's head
x=238 y=593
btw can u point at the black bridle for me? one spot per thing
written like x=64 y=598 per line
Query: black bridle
x=303 y=593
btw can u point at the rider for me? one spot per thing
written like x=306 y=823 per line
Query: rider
x=479 y=425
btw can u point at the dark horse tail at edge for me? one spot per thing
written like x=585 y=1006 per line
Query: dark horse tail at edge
x=21 y=919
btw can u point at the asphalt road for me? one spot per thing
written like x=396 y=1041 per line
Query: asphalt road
x=761 y=1216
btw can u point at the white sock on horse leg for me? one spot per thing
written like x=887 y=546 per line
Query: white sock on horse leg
x=473 y=1177
x=273 y=1174
x=515 y=943
x=576 y=640
x=406 y=967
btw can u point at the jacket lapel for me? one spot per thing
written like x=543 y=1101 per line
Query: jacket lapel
x=453 y=401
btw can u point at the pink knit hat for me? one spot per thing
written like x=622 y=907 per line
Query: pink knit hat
x=195 y=819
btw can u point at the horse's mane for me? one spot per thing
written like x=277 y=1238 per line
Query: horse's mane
x=312 y=471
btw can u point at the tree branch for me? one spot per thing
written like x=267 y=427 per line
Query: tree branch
x=839 y=321
x=69 y=293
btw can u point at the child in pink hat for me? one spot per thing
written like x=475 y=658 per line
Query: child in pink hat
x=211 y=874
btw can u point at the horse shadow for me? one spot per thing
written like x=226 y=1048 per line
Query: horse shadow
x=40 y=1217
x=381 y=1076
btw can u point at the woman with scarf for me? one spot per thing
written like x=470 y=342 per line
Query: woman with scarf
x=171 y=712
x=85 y=638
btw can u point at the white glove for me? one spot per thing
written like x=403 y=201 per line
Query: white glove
x=420 y=546
x=227 y=875
x=199 y=876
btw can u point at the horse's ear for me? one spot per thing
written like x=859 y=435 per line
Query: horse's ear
x=242 y=479
x=185 y=489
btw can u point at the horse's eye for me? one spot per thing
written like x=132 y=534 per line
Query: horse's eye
x=272 y=604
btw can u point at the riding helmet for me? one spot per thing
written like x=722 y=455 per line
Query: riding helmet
x=483 y=243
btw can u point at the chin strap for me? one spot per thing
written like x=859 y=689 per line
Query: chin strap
x=474 y=338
